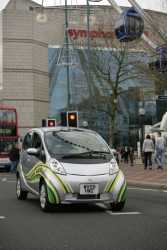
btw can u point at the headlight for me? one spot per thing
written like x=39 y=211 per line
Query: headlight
x=113 y=167
x=56 y=167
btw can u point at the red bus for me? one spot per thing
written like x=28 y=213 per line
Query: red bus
x=8 y=133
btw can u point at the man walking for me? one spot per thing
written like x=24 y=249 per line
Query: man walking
x=148 y=149
x=14 y=156
x=159 y=151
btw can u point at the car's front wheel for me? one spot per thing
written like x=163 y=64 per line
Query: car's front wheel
x=117 y=206
x=21 y=194
x=45 y=205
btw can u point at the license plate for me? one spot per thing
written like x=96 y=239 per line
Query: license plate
x=89 y=189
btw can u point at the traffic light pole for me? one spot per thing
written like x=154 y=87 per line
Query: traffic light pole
x=89 y=54
x=67 y=56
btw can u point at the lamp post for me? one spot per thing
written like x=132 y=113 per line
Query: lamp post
x=67 y=57
x=42 y=18
x=88 y=43
x=141 y=116
x=1 y=94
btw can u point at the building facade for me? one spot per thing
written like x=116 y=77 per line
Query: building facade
x=25 y=77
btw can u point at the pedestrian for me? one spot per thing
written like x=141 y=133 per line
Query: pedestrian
x=117 y=155
x=14 y=155
x=159 y=151
x=131 y=155
x=148 y=149
x=122 y=151
x=126 y=154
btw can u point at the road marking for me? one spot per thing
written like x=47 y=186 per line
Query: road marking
x=101 y=205
x=2 y=217
x=122 y=213
x=147 y=189
x=4 y=179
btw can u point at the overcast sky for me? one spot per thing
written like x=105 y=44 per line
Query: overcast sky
x=160 y=5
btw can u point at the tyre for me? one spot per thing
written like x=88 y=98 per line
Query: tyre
x=21 y=194
x=45 y=205
x=117 y=206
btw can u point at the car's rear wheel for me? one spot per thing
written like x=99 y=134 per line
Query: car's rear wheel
x=45 y=205
x=21 y=194
x=117 y=206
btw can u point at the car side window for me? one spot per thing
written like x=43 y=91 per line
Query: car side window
x=36 y=141
x=27 y=142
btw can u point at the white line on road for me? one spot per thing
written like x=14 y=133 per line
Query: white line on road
x=101 y=205
x=4 y=179
x=2 y=217
x=147 y=189
x=122 y=213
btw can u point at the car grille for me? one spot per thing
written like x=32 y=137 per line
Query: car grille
x=90 y=196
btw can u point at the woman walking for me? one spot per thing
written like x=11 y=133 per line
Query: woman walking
x=148 y=149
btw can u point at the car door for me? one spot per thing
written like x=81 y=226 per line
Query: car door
x=40 y=157
x=25 y=158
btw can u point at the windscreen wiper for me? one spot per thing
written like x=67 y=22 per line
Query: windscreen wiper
x=92 y=153
x=99 y=152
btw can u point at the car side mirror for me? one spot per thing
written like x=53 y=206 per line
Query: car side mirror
x=33 y=151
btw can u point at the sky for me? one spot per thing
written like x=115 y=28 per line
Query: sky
x=159 y=5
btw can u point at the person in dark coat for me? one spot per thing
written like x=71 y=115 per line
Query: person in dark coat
x=131 y=155
x=126 y=154
x=14 y=156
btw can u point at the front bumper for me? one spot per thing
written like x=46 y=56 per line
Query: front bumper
x=66 y=189
x=77 y=198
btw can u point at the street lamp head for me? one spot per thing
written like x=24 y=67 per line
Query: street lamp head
x=141 y=111
x=115 y=101
x=41 y=18
x=85 y=124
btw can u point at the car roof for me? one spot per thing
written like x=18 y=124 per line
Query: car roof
x=59 y=128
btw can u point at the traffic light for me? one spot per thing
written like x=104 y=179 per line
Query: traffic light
x=51 y=122
x=48 y=122
x=69 y=118
x=72 y=119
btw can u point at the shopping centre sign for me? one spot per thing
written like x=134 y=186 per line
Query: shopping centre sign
x=78 y=33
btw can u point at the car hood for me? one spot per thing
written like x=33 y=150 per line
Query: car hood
x=86 y=169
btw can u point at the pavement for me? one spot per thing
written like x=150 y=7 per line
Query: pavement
x=137 y=176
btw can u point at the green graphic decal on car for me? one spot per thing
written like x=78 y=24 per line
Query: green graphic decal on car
x=53 y=195
x=122 y=193
x=42 y=170
x=110 y=185
x=121 y=196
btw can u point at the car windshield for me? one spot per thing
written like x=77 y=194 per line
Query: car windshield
x=73 y=143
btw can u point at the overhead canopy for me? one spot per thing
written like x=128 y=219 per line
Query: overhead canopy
x=157 y=5
x=3 y=4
